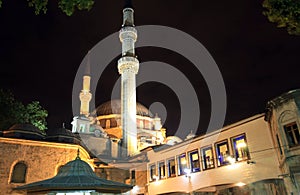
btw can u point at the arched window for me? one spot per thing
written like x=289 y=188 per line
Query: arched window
x=107 y=124
x=19 y=173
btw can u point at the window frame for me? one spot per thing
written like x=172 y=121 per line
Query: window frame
x=152 y=176
x=225 y=162
x=13 y=178
x=234 y=149
x=203 y=161
x=181 y=167
x=164 y=169
x=169 y=175
x=190 y=160
x=288 y=138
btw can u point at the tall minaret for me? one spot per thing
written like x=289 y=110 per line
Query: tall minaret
x=85 y=96
x=128 y=66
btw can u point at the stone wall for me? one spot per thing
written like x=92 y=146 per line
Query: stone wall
x=42 y=159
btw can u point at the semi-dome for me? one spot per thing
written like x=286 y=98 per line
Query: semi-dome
x=114 y=107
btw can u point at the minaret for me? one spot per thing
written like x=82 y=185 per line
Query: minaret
x=85 y=96
x=128 y=67
x=81 y=123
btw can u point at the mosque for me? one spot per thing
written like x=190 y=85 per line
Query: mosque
x=122 y=148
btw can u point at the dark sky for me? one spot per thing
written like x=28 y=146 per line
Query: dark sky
x=40 y=55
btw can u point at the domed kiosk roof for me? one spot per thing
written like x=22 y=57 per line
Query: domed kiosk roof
x=114 y=107
x=76 y=175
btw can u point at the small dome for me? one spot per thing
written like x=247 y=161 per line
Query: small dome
x=24 y=131
x=172 y=140
x=62 y=135
x=59 y=131
x=114 y=107
x=26 y=127
x=76 y=167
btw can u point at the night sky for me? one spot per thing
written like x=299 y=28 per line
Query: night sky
x=40 y=55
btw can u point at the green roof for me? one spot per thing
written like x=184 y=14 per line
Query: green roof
x=76 y=175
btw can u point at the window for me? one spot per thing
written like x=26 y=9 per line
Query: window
x=240 y=148
x=292 y=134
x=107 y=124
x=279 y=145
x=194 y=161
x=141 y=124
x=222 y=152
x=132 y=174
x=182 y=164
x=207 y=158
x=132 y=181
x=161 y=170
x=171 y=168
x=81 y=128
x=19 y=173
x=152 y=170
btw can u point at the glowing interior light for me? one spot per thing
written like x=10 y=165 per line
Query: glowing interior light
x=240 y=184
x=187 y=171
x=135 y=189
x=231 y=160
x=241 y=145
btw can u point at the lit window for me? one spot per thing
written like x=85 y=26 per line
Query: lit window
x=141 y=124
x=107 y=124
x=182 y=164
x=161 y=170
x=207 y=158
x=292 y=134
x=240 y=148
x=194 y=161
x=81 y=128
x=19 y=173
x=222 y=152
x=152 y=171
x=171 y=168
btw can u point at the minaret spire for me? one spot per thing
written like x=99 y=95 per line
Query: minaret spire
x=128 y=67
x=85 y=95
x=128 y=4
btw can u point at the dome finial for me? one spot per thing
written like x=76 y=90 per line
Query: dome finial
x=78 y=155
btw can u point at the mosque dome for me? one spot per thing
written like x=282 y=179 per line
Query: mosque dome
x=24 y=131
x=114 y=107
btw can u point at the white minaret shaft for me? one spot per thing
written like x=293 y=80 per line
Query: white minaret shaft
x=128 y=66
x=85 y=96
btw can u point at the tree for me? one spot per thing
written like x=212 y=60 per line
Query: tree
x=13 y=111
x=67 y=6
x=286 y=13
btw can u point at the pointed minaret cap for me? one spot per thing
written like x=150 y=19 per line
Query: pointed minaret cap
x=87 y=71
x=128 y=4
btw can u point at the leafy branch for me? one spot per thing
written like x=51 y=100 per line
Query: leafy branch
x=286 y=13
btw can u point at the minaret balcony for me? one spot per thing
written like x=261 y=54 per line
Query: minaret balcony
x=128 y=32
x=128 y=63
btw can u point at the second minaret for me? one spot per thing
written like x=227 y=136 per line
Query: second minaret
x=128 y=67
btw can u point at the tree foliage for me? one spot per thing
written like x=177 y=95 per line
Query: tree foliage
x=67 y=6
x=13 y=111
x=286 y=13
